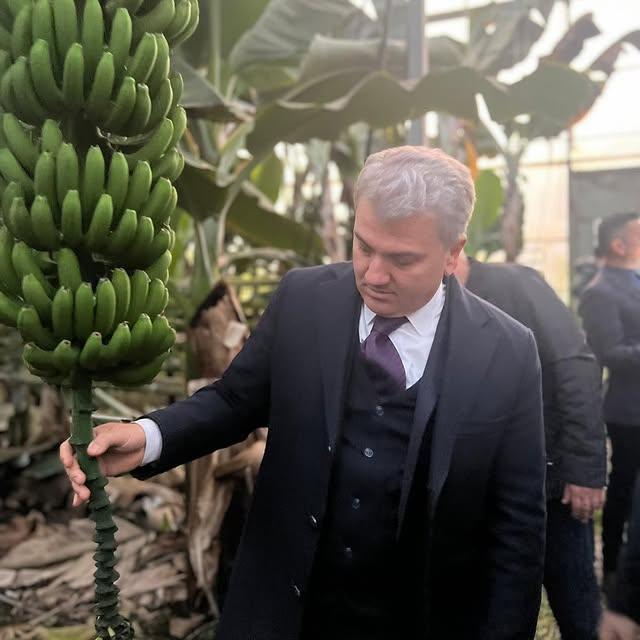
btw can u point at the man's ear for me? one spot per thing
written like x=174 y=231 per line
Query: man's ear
x=618 y=247
x=453 y=254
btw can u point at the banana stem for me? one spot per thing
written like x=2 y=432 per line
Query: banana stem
x=110 y=625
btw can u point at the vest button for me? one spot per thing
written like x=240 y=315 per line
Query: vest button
x=355 y=503
x=379 y=410
x=368 y=452
x=348 y=552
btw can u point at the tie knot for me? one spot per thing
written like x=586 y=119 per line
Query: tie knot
x=387 y=325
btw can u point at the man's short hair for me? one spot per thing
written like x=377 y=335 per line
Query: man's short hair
x=407 y=180
x=610 y=228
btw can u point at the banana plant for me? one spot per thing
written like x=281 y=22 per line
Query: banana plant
x=88 y=134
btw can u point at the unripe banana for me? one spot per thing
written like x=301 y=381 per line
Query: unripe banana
x=161 y=243
x=71 y=222
x=21 y=31
x=44 y=78
x=179 y=118
x=123 y=235
x=19 y=222
x=9 y=310
x=172 y=202
x=35 y=357
x=12 y=171
x=161 y=105
x=19 y=142
x=132 y=6
x=84 y=311
x=139 y=186
x=180 y=21
x=177 y=84
x=169 y=166
x=139 y=291
x=25 y=263
x=67 y=171
x=69 y=274
x=43 y=224
x=157 y=201
x=105 y=307
x=120 y=40
x=140 y=335
x=137 y=123
x=158 y=143
x=123 y=107
x=97 y=233
x=5 y=38
x=162 y=337
x=92 y=37
x=31 y=329
x=118 y=346
x=93 y=178
x=141 y=64
x=91 y=351
x=12 y=190
x=154 y=21
x=98 y=102
x=162 y=66
x=34 y=294
x=191 y=27
x=65 y=356
x=22 y=84
x=44 y=180
x=43 y=29
x=155 y=303
x=65 y=20
x=73 y=77
x=122 y=287
x=138 y=253
x=160 y=268
x=62 y=313
x=118 y=182
x=138 y=375
x=9 y=280
x=50 y=136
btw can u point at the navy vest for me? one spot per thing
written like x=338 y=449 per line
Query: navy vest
x=364 y=577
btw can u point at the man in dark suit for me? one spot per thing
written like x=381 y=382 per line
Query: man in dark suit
x=610 y=310
x=574 y=434
x=401 y=494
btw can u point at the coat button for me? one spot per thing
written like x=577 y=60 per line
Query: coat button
x=296 y=590
x=368 y=452
x=329 y=448
x=313 y=521
x=355 y=503
x=379 y=410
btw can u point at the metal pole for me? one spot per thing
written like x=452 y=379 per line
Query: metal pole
x=417 y=59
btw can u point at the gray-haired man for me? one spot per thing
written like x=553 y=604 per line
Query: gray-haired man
x=402 y=490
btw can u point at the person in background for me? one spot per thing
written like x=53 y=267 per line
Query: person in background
x=574 y=433
x=610 y=310
x=622 y=620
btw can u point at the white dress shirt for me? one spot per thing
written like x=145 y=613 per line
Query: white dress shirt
x=413 y=341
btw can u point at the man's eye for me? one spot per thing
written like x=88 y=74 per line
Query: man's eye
x=365 y=249
x=404 y=262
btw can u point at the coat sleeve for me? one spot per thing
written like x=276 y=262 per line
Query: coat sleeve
x=572 y=378
x=517 y=514
x=605 y=332
x=225 y=412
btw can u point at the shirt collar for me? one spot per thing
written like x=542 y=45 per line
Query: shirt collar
x=422 y=319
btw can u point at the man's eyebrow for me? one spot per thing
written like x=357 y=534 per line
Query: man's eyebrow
x=395 y=256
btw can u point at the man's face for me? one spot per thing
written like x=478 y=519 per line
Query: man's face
x=399 y=264
x=630 y=244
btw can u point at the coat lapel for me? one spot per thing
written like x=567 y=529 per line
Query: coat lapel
x=470 y=348
x=338 y=305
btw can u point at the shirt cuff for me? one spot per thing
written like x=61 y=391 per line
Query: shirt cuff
x=153 y=447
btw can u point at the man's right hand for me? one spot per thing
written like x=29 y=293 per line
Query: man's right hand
x=119 y=447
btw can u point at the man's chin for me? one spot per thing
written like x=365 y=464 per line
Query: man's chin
x=381 y=305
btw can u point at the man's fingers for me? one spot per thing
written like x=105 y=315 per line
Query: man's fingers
x=66 y=454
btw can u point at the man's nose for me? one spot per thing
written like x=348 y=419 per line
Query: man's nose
x=377 y=273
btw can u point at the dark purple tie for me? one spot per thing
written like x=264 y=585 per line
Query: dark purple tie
x=382 y=358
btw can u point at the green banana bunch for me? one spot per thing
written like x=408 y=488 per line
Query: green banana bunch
x=90 y=119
